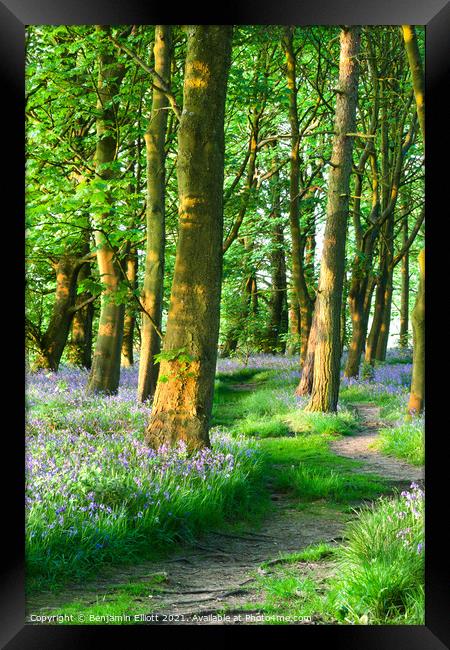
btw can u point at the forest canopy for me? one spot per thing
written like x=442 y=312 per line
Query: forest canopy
x=110 y=153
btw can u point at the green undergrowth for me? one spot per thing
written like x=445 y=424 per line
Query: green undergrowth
x=405 y=441
x=305 y=467
x=295 y=442
x=391 y=404
x=120 y=604
x=375 y=577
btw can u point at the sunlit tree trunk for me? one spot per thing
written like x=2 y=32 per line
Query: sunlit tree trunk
x=183 y=399
x=325 y=390
x=105 y=371
x=130 y=267
x=418 y=78
x=152 y=294
x=417 y=394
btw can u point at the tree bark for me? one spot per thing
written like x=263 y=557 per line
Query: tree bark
x=418 y=78
x=307 y=377
x=183 y=399
x=131 y=267
x=404 y=304
x=53 y=342
x=105 y=371
x=278 y=299
x=360 y=299
x=152 y=294
x=298 y=244
x=325 y=390
x=293 y=346
x=80 y=346
x=417 y=394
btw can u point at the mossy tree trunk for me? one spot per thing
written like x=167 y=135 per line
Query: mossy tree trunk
x=105 y=371
x=184 y=393
x=325 y=390
x=52 y=343
x=293 y=346
x=152 y=293
x=417 y=394
x=80 y=346
x=360 y=298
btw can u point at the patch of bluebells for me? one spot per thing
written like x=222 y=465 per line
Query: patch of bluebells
x=286 y=363
x=393 y=379
x=91 y=480
x=408 y=518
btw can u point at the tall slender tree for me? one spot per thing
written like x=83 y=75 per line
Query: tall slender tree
x=183 y=399
x=298 y=241
x=325 y=390
x=152 y=293
x=105 y=371
x=417 y=395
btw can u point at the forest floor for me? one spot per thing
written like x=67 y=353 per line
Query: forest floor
x=220 y=578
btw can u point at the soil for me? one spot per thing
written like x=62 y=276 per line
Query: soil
x=360 y=447
x=220 y=571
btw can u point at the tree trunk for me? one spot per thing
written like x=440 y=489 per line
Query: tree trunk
x=293 y=346
x=131 y=267
x=417 y=394
x=325 y=390
x=298 y=244
x=105 y=371
x=360 y=298
x=418 y=78
x=53 y=342
x=278 y=299
x=307 y=376
x=79 y=350
x=404 y=305
x=183 y=399
x=383 y=337
x=343 y=328
x=153 y=289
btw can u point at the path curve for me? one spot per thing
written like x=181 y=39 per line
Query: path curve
x=191 y=593
x=358 y=447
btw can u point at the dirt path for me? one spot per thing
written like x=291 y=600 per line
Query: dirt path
x=359 y=448
x=217 y=572
x=220 y=571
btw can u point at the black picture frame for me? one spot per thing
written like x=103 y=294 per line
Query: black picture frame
x=435 y=14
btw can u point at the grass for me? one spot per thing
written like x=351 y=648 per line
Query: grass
x=404 y=441
x=142 y=512
x=381 y=565
x=305 y=467
x=376 y=577
x=96 y=496
x=312 y=553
